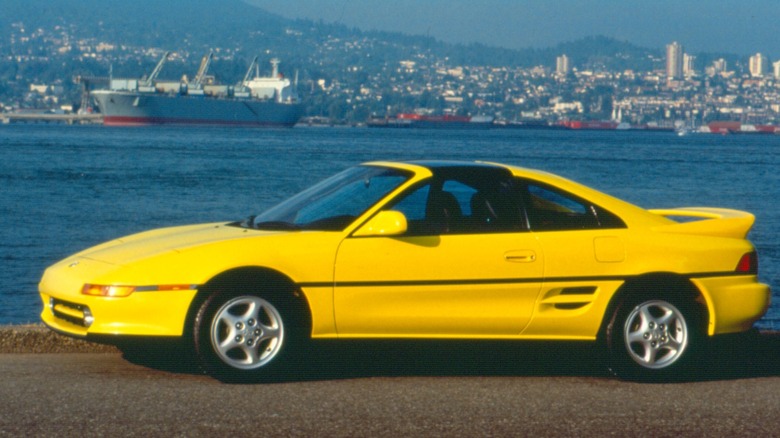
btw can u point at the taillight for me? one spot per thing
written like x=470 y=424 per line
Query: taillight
x=748 y=264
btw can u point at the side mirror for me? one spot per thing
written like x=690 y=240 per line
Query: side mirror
x=385 y=223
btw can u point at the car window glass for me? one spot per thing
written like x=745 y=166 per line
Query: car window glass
x=462 y=207
x=333 y=203
x=413 y=205
x=550 y=209
x=462 y=194
x=351 y=200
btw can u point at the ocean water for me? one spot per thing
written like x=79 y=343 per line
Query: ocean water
x=65 y=188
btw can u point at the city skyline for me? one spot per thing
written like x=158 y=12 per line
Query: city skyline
x=348 y=74
x=713 y=26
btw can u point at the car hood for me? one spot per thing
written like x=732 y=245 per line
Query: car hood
x=129 y=249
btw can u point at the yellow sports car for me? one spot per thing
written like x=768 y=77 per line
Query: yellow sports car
x=423 y=250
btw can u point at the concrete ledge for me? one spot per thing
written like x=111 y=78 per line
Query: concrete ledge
x=36 y=338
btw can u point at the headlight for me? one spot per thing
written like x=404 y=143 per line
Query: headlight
x=119 y=291
x=99 y=290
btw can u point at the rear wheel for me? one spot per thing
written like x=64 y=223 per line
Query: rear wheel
x=653 y=339
x=243 y=337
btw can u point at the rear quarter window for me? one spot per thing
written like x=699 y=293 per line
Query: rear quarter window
x=550 y=209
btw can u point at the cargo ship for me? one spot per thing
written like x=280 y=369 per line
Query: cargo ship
x=612 y=125
x=410 y=120
x=738 y=128
x=255 y=101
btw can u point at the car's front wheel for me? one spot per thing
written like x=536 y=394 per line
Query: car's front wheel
x=244 y=337
x=653 y=339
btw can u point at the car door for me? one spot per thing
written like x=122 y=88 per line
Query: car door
x=454 y=273
x=584 y=247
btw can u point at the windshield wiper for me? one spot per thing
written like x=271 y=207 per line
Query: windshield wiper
x=267 y=225
x=275 y=226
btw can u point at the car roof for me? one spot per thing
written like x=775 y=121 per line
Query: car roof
x=446 y=164
x=436 y=166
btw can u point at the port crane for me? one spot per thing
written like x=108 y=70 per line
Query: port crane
x=252 y=66
x=150 y=80
x=204 y=67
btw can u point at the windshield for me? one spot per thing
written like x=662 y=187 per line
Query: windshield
x=332 y=204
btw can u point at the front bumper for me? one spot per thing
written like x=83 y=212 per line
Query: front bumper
x=143 y=313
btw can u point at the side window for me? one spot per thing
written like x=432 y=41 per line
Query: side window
x=463 y=207
x=553 y=210
x=462 y=193
x=413 y=205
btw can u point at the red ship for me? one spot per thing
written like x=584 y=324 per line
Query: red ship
x=446 y=121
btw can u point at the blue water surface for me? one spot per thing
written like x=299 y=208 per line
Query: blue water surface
x=65 y=188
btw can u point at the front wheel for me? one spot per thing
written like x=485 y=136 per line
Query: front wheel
x=242 y=338
x=653 y=340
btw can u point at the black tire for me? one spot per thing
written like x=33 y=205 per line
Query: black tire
x=654 y=339
x=243 y=336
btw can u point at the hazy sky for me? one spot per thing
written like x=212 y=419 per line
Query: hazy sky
x=742 y=27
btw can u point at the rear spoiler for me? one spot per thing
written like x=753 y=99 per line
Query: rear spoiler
x=711 y=221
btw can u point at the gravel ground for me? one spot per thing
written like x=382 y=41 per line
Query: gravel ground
x=39 y=339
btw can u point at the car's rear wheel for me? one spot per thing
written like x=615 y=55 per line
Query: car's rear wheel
x=242 y=337
x=653 y=339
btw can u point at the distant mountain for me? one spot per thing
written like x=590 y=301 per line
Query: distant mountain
x=198 y=25
x=174 y=25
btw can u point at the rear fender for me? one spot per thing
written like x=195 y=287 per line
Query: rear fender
x=659 y=285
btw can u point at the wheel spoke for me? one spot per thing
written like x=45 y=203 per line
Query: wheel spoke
x=646 y=317
x=650 y=355
x=229 y=343
x=674 y=345
x=252 y=311
x=637 y=337
x=669 y=317
x=252 y=354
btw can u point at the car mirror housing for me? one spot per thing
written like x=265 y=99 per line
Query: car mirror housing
x=385 y=223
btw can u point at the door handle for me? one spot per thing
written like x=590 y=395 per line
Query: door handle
x=526 y=256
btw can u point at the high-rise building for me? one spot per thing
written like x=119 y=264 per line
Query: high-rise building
x=719 y=65
x=689 y=69
x=759 y=65
x=776 y=69
x=674 y=61
x=562 y=65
